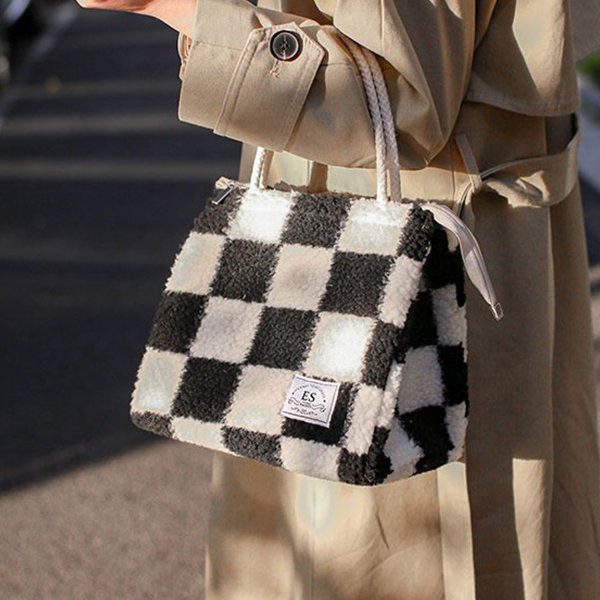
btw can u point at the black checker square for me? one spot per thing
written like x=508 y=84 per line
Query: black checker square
x=378 y=358
x=206 y=389
x=253 y=444
x=440 y=264
x=338 y=426
x=245 y=270
x=426 y=426
x=176 y=321
x=444 y=266
x=356 y=283
x=370 y=468
x=420 y=328
x=417 y=233
x=461 y=296
x=152 y=422
x=316 y=220
x=215 y=218
x=283 y=338
x=454 y=374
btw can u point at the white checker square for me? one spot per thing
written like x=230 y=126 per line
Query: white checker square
x=313 y=458
x=258 y=399
x=365 y=408
x=300 y=277
x=450 y=318
x=390 y=395
x=227 y=329
x=339 y=346
x=421 y=380
x=402 y=452
x=157 y=381
x=196 y=263
x=371 y=228
x=456 y=421
x=402 y=287
x=188 y=429
x=261 y=216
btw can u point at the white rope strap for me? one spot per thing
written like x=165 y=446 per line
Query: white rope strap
x=389 y=128
x=261 y=158
x=376 y=117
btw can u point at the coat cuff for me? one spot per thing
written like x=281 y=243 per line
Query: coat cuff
x=229 y=75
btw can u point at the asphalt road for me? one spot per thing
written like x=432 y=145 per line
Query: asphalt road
x=99 y=183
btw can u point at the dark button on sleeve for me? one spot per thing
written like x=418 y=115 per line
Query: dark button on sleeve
x=265 y=94
x=285 y=45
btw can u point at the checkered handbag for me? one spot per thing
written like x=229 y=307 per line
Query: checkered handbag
x=321 y=333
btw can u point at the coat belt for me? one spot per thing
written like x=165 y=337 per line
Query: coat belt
x=541 y=180
x=535 y=181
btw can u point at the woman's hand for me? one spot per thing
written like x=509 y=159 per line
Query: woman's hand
x=139 y=6
x=178 y=14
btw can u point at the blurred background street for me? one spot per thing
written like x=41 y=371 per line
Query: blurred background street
x=99 y=183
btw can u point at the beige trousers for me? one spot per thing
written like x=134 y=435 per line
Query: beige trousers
x=519 y=517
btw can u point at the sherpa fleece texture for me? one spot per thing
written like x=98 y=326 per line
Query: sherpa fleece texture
x=275 y=283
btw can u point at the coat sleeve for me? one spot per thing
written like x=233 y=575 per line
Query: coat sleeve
x=314 y=106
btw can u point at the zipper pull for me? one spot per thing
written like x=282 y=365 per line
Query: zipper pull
x=222 y=195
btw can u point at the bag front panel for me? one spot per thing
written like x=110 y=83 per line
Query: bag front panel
x=273 y=286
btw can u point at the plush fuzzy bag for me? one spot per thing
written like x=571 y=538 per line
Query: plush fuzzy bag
x=321 y=333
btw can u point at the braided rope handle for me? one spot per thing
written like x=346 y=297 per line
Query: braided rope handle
x=388 y=127
x=382 y=117
x=374 y=105
x=386 y=148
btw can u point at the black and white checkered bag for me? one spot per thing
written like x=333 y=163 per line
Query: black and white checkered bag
x=321 y=333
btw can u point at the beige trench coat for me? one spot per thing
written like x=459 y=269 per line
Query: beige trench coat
x=485 y=99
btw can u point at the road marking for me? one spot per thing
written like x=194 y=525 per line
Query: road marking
x=140 y=170
x=90 y=123
x=55 y=87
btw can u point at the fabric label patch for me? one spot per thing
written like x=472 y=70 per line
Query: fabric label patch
x=310 y=400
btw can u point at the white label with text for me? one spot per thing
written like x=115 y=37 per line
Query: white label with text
x=310 y=400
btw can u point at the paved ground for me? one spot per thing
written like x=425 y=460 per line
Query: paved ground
x=99 y=182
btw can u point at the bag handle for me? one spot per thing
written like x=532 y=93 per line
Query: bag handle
x=388 y=164
x=386 y=145
x=386 y=148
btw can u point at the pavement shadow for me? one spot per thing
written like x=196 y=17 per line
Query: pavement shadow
x=99 y=184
